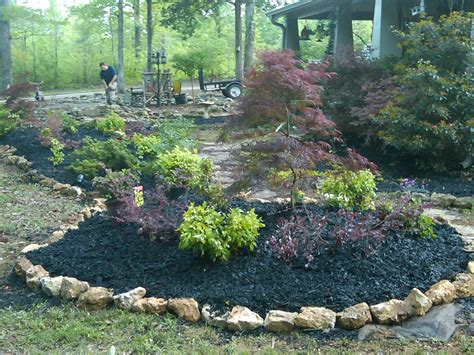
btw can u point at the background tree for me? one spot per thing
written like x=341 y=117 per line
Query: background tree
x=249 y=34
x=138 y=27
x=5 y=45
x=149 y=33
x=121 y=64
x=84 y=35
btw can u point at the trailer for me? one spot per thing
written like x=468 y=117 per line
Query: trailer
x=230 y=88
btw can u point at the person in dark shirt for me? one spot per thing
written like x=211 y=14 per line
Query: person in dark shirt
x=109 y=79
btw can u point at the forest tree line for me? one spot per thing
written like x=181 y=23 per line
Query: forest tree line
x=63 y=49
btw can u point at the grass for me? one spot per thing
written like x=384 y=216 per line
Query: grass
x=28 y=213
x=62 y=329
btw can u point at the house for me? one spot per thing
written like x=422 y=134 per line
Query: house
x=385 y=15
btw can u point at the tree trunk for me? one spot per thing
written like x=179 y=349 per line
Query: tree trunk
x=56 y=55
x=121 y=68
x=149 y=34
x=239 y=67
x=33 y=44
x=138 y=28
x=6 y=49
x=112 y=35
x=249 y=34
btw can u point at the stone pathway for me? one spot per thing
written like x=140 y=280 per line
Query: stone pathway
x=461 y=222
x=221 y=154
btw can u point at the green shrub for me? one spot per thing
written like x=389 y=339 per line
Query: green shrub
x=87 y=167
x=201 y=232
x=147 y=146
x=423 y=226
x=8 y=120
x=112 y=123
x=57 y=151
x=214 y=234
x=350 y=190
x=242 y=228
x=184 y=168
x=426 y=122
x=71 y=125
x=175 y=133
x=95 y=156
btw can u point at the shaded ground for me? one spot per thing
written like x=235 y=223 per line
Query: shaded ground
x=112 y=255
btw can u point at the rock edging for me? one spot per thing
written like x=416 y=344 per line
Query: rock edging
x=241 y=318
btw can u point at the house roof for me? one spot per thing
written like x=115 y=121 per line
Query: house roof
x=319 y=9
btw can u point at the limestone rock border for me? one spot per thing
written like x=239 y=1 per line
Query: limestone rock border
x=239 y=318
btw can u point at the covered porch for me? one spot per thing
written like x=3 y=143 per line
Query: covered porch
x=385 y=15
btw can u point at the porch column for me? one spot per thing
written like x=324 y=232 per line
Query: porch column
x=292 y=35
x=386 y=16
x=344 y=42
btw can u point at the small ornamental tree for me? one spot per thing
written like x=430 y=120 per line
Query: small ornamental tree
x=284 y=98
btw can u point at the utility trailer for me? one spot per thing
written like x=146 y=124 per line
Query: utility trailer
x=230 y=88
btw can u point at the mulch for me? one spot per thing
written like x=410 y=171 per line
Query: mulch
x=111 y=255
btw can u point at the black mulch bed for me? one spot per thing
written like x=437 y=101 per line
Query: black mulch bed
x=28 y=145
x=111 y=255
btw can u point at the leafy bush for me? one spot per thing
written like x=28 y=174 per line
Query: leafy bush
x=242 y=228
x=426 y=121
x=147 y=146
x=95 y=156
x=350 y=190
x=215 y=234
x=8 y=120
x=110 y=124
x=423 y=226
x=202 y=232
x=57 y=151
x=183 y=168
x=355 y=78
x=175 y=133
x=71 y=125
x=116 y=184
x=55 y=126
x=16 y=102
x=158 y=218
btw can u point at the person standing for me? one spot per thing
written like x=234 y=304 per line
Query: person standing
x=109 y=79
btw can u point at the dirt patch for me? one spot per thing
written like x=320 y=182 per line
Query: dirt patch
x=109 y=255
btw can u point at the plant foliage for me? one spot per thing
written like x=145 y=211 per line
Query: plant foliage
x=215 y=234
x=110 y=124
x=95 y=156
x=349 y=190
x=184 y=168
x=426 y=121
x=8 y=120
x=57 y=151
x=116 y=184
x=302 y=237
x=283 y=95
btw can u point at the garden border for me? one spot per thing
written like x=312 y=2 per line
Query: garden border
x=239 y=318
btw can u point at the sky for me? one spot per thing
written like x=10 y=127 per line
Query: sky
x=44 y=4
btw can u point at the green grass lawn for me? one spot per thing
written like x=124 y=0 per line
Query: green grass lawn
x=62 y=329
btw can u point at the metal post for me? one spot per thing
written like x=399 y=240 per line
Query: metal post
x=158 y=84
